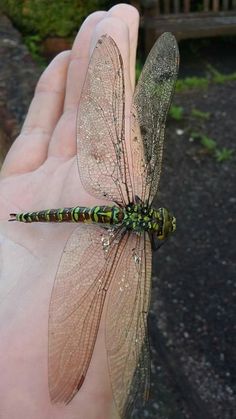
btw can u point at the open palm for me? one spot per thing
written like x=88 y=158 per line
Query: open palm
x=40 y=171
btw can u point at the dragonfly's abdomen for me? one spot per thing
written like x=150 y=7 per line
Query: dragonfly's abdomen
x=100 y=214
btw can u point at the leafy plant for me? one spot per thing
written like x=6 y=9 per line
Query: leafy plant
x=224 y=154
x=200 y=114
x=222 y=78
x=218 y=77
x=208 y=143
x=215 y=76
x=220 y=154
x=33 y=43
x=50 y=18
x=176 y=112
x=191 y=83
x=205 y=141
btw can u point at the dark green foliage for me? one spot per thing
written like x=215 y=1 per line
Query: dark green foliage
x=200 y=114
x=34 y=45
x=214 y=76
x=191 y=83
x=224 y=154
x=50 y=18
x=176 y=112
x=210 y=145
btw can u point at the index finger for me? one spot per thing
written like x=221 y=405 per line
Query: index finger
x=97 y=24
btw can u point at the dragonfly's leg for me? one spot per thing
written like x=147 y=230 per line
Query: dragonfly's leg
x=118 y=204
x=138 y=200
x=156 y=244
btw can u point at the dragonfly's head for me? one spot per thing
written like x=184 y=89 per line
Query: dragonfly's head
x=168 y=224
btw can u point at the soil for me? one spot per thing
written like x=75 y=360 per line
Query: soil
x=193 y=311
x=192 y=316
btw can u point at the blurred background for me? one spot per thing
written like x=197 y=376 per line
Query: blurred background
x=192 y=319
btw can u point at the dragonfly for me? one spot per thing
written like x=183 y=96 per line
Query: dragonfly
x=106 y=262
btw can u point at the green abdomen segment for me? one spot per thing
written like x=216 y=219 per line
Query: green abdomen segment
x=104 y=215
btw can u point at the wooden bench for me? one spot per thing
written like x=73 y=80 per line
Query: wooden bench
x=186 y=19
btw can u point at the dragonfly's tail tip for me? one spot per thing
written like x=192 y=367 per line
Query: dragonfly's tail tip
x=13 y=217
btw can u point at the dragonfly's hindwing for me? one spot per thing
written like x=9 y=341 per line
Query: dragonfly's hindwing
x=126 y=322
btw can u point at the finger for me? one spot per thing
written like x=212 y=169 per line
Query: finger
x=30 y=148
x=63 y=142
x=79 y=60
x=130 y=16
x=96 y=25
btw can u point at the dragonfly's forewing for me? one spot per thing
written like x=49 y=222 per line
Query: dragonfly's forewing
x=102 y=155
x=77 y=300
x=126 y=322
x=151 y=104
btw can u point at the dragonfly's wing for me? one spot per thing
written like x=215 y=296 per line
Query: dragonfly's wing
x=77 y=300
x=151 y=103
x=102 y=155
x=126 y=323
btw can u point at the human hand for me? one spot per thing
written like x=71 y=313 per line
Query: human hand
x=40 y=171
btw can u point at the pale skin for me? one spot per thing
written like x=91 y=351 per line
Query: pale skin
x=40 y=172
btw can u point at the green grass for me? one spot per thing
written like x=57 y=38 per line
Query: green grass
x=204 y=140
x=34 y=45
x=50 y=18
x=223 y=154
x=191 y=83
x=176 y=112
x=210 y=145
x=39 y=19
x=214 y=76
x=218 y=77
x=222 y=78
x=200 y=114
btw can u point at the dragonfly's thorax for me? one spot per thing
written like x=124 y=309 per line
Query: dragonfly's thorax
x=138 y=217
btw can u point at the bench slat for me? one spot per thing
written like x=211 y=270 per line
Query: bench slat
x=192 y=27
x=172 y=7
x=157 y=7
x=186 y=6
x=176 y=6
x=167 y=7
x=217 y=18
x=225 y=5
x=206 y=5
x=215 y=6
